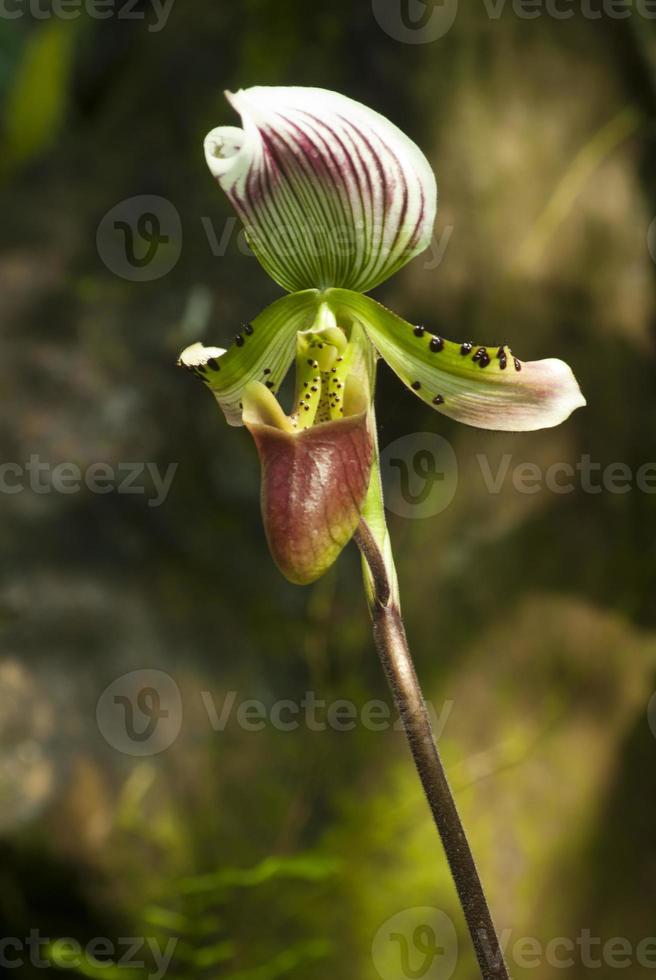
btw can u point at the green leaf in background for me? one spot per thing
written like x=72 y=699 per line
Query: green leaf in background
x=38 y=99
x=198 y=944
x=305 y=867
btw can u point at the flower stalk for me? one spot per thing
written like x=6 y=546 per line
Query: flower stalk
x=381 y=587
x=335 y=199
x=392 y=647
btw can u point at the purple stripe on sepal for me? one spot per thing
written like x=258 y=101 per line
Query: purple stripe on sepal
x=332 y=193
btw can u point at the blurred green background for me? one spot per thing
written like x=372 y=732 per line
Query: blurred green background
x=272 y=853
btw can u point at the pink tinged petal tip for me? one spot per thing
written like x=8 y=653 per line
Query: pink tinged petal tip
x=330 y=192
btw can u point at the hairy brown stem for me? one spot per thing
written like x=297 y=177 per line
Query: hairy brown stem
x=392 y=647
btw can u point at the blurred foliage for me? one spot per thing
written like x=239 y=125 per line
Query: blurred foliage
x=37 y=101
x=280 y=854
x=193 y=930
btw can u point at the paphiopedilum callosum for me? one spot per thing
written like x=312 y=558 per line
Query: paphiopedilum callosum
x=334 y=199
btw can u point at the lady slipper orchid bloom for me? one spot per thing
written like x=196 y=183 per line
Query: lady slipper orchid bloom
x=334 y=199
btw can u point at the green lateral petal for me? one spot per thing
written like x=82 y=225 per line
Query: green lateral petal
x=330 y=192
x=262 y=351
x=483 y=386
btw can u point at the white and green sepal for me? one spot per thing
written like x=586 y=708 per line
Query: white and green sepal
x=330 y=192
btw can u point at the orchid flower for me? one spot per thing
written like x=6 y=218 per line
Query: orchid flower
x=334 y=199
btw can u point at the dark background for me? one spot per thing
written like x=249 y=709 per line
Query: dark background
x=531 y=616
